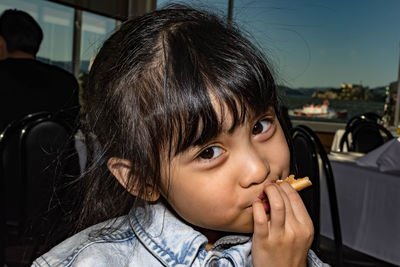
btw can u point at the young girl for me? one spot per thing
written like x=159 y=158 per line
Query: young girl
x=184 y=115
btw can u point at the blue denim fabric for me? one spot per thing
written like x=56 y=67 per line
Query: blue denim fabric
x=166 y=241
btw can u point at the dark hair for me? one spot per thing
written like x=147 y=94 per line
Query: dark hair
x=20 y=31
x=149 y=91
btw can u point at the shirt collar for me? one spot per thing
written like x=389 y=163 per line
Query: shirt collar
x=170 y=239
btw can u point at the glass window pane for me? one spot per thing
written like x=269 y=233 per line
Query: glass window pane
x=95 y=30
x=218 y=6
x=343 y=51
x=57 y=25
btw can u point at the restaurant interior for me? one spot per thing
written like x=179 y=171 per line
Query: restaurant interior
x=354 y=164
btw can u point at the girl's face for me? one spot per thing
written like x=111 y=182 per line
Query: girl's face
x=214 y=186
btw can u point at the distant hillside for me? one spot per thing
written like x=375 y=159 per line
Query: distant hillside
x=289 y=91
x=301 y=91
x=310 y=91
x=66 y=65
x=379 y=93
x=62 y=64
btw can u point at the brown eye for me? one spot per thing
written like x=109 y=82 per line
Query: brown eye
x=261 y=126
x=211 y=152
x=207 y=153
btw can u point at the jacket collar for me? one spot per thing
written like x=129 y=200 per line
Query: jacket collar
x=173 y=241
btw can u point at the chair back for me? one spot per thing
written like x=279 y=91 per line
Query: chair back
x=35 y=152
x=368 y=116
x=306 y=160
x=364 y=136
x=10 y=168
x=311 y=160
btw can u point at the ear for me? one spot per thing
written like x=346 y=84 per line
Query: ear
x=120 y=168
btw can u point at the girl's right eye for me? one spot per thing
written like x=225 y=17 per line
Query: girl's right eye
x=211 y=152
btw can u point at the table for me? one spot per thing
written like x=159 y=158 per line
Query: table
x=335 y=146
x=369 y=210
x=336 y=140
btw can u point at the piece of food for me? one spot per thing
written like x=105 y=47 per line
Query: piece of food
x=297 y=184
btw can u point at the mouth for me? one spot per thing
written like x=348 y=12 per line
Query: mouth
x=263 y=197
x=264 y=200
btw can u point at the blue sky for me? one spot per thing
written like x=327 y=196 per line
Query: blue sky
x=322 y=43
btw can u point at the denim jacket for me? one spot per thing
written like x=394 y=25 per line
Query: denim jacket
x=166 y=241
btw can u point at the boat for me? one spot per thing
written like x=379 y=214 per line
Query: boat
x=323 y=110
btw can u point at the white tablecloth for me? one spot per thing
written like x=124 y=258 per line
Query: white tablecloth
x=336 y=141
x=369 y=210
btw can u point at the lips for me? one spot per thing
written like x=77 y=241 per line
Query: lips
x=263 y=197
x=264 y=201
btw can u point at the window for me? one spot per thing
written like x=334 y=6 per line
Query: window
x=95 y=30
x=333 y=59
x=218 y=6
x=341 y=53
x=57 y=25
x=341 y=56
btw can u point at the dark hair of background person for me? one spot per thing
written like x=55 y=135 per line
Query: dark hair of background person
x=20 y=31
x=149 y=91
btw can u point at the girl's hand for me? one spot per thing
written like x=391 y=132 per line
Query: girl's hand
x=284 y=237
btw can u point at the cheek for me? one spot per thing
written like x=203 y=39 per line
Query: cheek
x=284 y=152
x=195 y=199
x=286 y=159
x=192 y=207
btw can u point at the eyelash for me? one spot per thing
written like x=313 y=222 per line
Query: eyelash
x=270 y=122
x=220 y=151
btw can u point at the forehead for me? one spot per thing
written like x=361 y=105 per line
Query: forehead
x=231 y=117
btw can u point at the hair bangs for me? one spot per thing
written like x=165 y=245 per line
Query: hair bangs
x=201 y=78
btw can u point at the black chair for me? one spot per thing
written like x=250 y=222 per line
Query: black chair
x=368 y=116
x=307 y=152
x=37 y=154
x=365 y=135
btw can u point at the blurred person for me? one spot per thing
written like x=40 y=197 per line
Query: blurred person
x=26 y=84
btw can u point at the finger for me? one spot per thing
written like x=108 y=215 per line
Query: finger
x=277 y=206
x=261 y=219
x=298 y=207
x=289 y=213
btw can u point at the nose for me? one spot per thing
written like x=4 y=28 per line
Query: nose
x=255 y=168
